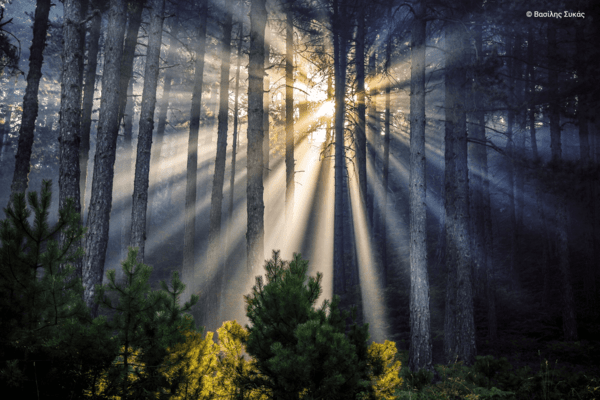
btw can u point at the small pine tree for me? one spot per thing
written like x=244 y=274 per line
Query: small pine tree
x=146 y=324
x=300 y=350
x=48 y=343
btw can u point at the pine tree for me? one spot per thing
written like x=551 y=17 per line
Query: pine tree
x=299 y=348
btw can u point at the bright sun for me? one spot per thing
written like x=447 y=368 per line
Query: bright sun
x=326 y=109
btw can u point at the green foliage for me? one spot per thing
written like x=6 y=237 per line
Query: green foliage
x=301 y=350
x=47 y=338
x=491 y=378
x=146 y=324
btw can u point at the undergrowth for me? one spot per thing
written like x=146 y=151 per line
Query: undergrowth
x=497 y=378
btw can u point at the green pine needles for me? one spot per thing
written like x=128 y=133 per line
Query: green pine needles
x=300 y=350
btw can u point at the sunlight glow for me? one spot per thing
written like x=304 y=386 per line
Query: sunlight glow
x=326 y=110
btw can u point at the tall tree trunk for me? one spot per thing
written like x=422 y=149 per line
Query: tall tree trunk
x=256 y=71
x=134 y=14
x=568 y=310
x=587 y=211
x=216 y=205
x=459 y=325
x=156 y=156
x=289 y=119
x=340 y=56
x=189 y=262
x=266 y=102
x=142 y=161
x=372 y=132
x=420 y=353
x=510 y=152
x=128 y=171
x=361 y=140
x=70 y=109
x=386 y=167
x=30 y=100
x=235 y=133
x=482 y=222
x=104 y=161
x=88 y=101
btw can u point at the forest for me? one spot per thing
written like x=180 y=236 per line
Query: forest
x=286 y=199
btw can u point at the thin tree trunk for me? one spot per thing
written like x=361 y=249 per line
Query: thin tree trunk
x=420 y=353
x=30 y=100
x=235 y=133
x=189 y=237
x=482 y=226
x=88 y=101
x=385 y=169
x=289 y=120
x=127 y=170
x=134 y=14
x=372 y=132
x=459 y=326
x=70 y=112
x=255 y=203
x=339 y=43
x=266 y=102
x=568 y=309
x=510 y=152
x=361 y=142
x=159 y=137
x=142 y=161
x=106 y=146
x=215 y=253
x=587 y=211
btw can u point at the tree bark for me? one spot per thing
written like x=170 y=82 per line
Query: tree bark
x=254 y=190
x=361 y=139
x=88 y=101
x=386 y=168
x=568 y=309
x=340 y=56
x=266 y=102
x=30 y=100
x=134 y=14
x=104 y=161
x=156 y=156
x=289 y=119
x=420 y=352
x=510 y=153
x=142 y=161
x=214 y=254
x=235 y=133
x=70 y=109
x=459 y=326
x=128 y=170
x=189 y=236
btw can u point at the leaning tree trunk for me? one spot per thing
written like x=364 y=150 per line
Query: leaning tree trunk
x=104 y=161
x=255 y=203
x=30 y=100
x=568 y=309
x=459 y=325
x=70 y=110
x=420 y=353
x=289 y=119
x=142 y=161
x=88 y=101
x=214 y=253
x=189 y=235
